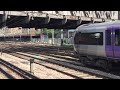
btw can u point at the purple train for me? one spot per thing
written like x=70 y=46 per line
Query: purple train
x=98 y=44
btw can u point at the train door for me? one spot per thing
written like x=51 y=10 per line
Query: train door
x=109 y=42
x=116 y=42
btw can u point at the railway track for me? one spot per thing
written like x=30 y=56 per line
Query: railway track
x=114 y=71
x=53 y=50
x=48 y=52
x=66 y=60
x=57 y=55
x=13 y=72
x=58 y=63
x=73 y=70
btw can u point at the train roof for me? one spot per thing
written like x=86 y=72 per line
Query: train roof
x=104 y=24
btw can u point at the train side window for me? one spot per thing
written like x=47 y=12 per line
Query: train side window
x=108 y=37
x=117 y=37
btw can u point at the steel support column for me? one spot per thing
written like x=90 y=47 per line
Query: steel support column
x=53 y=37
x=79 y=21
x=61 y=37
x=47 y=19
x=64 y=21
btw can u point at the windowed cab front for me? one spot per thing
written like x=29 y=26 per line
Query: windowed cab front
x=90 y=41
x=103 y=42
x=99 y=46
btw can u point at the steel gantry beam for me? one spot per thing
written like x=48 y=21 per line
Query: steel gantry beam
x=53 y=19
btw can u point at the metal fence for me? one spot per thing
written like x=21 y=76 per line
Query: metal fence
x=56 y=41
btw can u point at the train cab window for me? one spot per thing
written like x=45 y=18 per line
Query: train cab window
x=95 y=38
x=108 y=37
x=117 y=37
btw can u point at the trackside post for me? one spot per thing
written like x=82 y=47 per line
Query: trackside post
x=1 y=51
x=31 y=66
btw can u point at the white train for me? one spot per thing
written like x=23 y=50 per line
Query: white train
x=98 y=44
